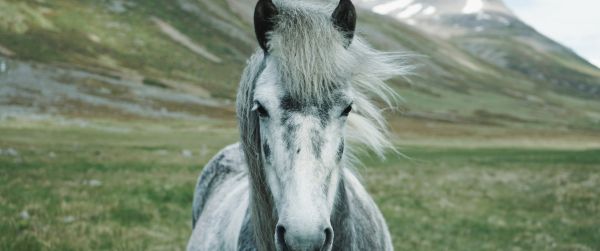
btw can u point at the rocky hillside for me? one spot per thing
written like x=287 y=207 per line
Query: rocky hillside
x=477 y=62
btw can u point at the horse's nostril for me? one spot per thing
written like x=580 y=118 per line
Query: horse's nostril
x=280 y=232
x=328 y=238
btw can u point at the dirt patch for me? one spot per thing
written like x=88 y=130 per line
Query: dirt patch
x=6 y=52
x=487 y=115
x=184 y=40
x=60 y=90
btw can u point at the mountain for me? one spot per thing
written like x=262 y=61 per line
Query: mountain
x=478 y=64
x=427 y=9
x=488 y=30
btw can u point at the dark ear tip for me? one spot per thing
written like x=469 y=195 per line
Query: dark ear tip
x=344 y=18
x=264 y=13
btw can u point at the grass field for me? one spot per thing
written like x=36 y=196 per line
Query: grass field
x=128 y=186
x=107 y=117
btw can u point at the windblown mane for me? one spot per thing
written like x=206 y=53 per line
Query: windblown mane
x=311 y=59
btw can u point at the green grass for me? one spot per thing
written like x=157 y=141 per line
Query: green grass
x=109 y=185
x=490 y=199
x=99 y=189
x=439 y=199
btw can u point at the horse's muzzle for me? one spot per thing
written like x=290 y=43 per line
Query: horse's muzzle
x=320 y=239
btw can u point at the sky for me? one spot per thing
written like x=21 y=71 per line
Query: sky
x=573 y=23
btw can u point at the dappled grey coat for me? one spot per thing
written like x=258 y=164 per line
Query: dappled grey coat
x=233 y=206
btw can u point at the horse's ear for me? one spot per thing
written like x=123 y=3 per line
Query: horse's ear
x=344 y=18
x=264 y=21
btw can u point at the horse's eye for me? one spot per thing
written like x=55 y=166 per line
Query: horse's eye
x=262 y=112
x=347 y=111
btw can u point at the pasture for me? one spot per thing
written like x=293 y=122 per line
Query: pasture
x=108 y=185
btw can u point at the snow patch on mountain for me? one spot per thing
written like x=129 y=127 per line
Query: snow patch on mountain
x=410 y=11
x=429 y=11
x=472 y=6
x=390 y=7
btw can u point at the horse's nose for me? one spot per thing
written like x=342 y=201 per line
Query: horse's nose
x=288 y=238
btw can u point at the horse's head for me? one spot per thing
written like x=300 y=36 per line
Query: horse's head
x=302 y=106
x=302 y=143
x=293 y=108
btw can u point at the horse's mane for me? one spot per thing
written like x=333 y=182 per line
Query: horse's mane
x=312 y=59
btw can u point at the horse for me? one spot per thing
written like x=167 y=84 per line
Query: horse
x=310 y=96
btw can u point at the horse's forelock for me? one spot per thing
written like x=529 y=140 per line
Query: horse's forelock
x=312 y=60
x=309 y=51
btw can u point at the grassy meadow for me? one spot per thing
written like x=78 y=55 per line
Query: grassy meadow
x=107 y=118
x=106 y=185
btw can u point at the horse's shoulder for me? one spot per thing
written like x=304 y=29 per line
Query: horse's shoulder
x=226 y=163
x=228 y=159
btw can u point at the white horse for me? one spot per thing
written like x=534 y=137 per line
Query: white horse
x=288 y=185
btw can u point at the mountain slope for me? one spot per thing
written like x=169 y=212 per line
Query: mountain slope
x=474 y=67
x=487 y=29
